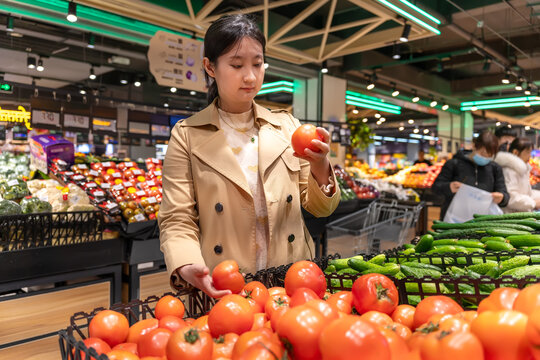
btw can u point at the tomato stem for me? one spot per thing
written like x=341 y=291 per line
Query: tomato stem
x=443 y=334
x=382 y=293
x=220 y=340
x=191 y=336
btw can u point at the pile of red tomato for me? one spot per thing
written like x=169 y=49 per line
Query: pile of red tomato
x=301 y=321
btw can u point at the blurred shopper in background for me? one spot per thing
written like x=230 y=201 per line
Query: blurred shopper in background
x=516 y=170
x=506 y=135
x=475 y=168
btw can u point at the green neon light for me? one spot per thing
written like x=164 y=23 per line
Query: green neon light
x=409 y=16
x=363 y=96
x=275 y=90
x=500 y=106
x=499 y=101
x=378 y=103
x=374 y=107
x=426 y=14
x=277 y=83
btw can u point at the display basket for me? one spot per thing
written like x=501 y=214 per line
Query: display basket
x=465 y=290
x=19 y=232
x=382 y=225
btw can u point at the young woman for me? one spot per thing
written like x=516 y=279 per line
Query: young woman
x=516 y=169
x=474 y=168
x=233 y=187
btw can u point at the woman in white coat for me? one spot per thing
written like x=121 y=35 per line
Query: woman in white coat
x=516 y=169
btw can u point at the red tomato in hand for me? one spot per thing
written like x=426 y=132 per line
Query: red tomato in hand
x=351 y=338
x=502 y=334
x=499 y=299
x=302 y=137
x=169 y=305
x=375 y=292
x=227 y=276
x=302 y=296
x=301 y=327
x=172 y=323
x=189 y=343
x=154 y=343
x=305 y=274
x=232 y=313
x=434 y=305
x=110 y=326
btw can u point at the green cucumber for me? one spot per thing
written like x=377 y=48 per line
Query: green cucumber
x=448 y=249
x=535 y=259
x=475 y=250
x=347 y=271
x=336 y=284
x=511 y=216
x=524 y=240
x=498 y=246
x=330 y=269
x=492 y=238
x=516 y=261
x=480 y=225
x=523 y=271
x=460 y=234
x=340 y=264
x=408 y=246
x=400 y=275
x=427 y=288
x=425 y=243
x=361 y=266
x=506 y=232
x=379 y=259
x=445 y=242
x=471 y=244
x=482 y=286
x=422 y=266
x=457 y=271
x=389 y=269
x=409 y=251
x=482 y=269
x=531 y=248
x=420 y=273
x=527 y=222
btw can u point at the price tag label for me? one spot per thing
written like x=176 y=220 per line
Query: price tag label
x=99 y=193
x=157 y=173
x=152 y=200
x=116 y=175
x=128 y=184
x=69 y=173
x=140 y=217
x=118 y=187
x=83 y=166
x=129 y=164
x=111 y=206
x=137 y=172
x=155 y=161
x=93 y=173
x=151 y=183
x=13 y=182
x=140 y=193
x=78 y=178
x=107 y=164
x=105 y=185
x=91 y=185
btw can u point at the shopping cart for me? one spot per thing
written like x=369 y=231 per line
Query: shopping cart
x=383 y=225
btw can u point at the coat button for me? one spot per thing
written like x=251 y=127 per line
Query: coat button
x=291 y=238
x=218 y=249
x=219 y=207
x=289 y=198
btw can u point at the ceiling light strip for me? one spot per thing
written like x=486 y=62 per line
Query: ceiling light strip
x=409 y=16
x=500 y=106
x=423 y=12
x=275 y=90
x=373 y=107
x=378 y=103
x=277 y=83
x=499 y=101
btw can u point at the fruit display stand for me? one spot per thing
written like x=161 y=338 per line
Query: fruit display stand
x=52 y=262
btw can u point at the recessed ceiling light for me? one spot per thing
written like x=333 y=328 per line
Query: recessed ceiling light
x=401 y=128
x=411 y=121
x=365 y=120
x=355 y=111
x=416 y=131
x=192 y=93
x=378 y=116
x=173 y=90
x=72 y=12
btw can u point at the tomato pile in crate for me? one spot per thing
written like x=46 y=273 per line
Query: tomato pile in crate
x=301 y=320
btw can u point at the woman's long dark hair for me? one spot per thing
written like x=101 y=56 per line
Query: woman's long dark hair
x=221 y=36
x=520 y=144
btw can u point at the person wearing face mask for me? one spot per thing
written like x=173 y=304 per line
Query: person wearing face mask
x=516 y=169
x=474 y=168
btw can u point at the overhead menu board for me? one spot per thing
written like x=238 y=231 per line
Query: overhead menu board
x=176 y=61
x=76 y=121
x=104 y=125
x=45 y=119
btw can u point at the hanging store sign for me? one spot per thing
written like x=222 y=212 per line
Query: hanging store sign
x=161 y=130
x=100 y=124
x=76 y=121
x=16 y=116
x=48 y=118
x=176 y=61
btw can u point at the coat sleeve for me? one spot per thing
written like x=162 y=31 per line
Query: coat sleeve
x=442 y=182
x=178 y=216
x=518 y=201
x=313 y=199
x=500 y=185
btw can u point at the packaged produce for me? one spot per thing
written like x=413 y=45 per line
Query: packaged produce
x=14 y=189
x=31 y=205
x=8 y=207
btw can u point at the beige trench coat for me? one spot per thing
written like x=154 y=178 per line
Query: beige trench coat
x=207 y=214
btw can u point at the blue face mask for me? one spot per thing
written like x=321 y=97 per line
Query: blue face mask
x=480 y=160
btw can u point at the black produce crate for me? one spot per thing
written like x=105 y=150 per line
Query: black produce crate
x=466 y=291
x=142 y=230
x=19 y=232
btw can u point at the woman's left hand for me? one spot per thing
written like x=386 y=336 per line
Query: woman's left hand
x=318 y=160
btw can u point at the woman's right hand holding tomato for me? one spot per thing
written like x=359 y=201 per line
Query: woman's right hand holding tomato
x=199 y=276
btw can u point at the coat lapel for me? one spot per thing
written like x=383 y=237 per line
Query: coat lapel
x=212 y=148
